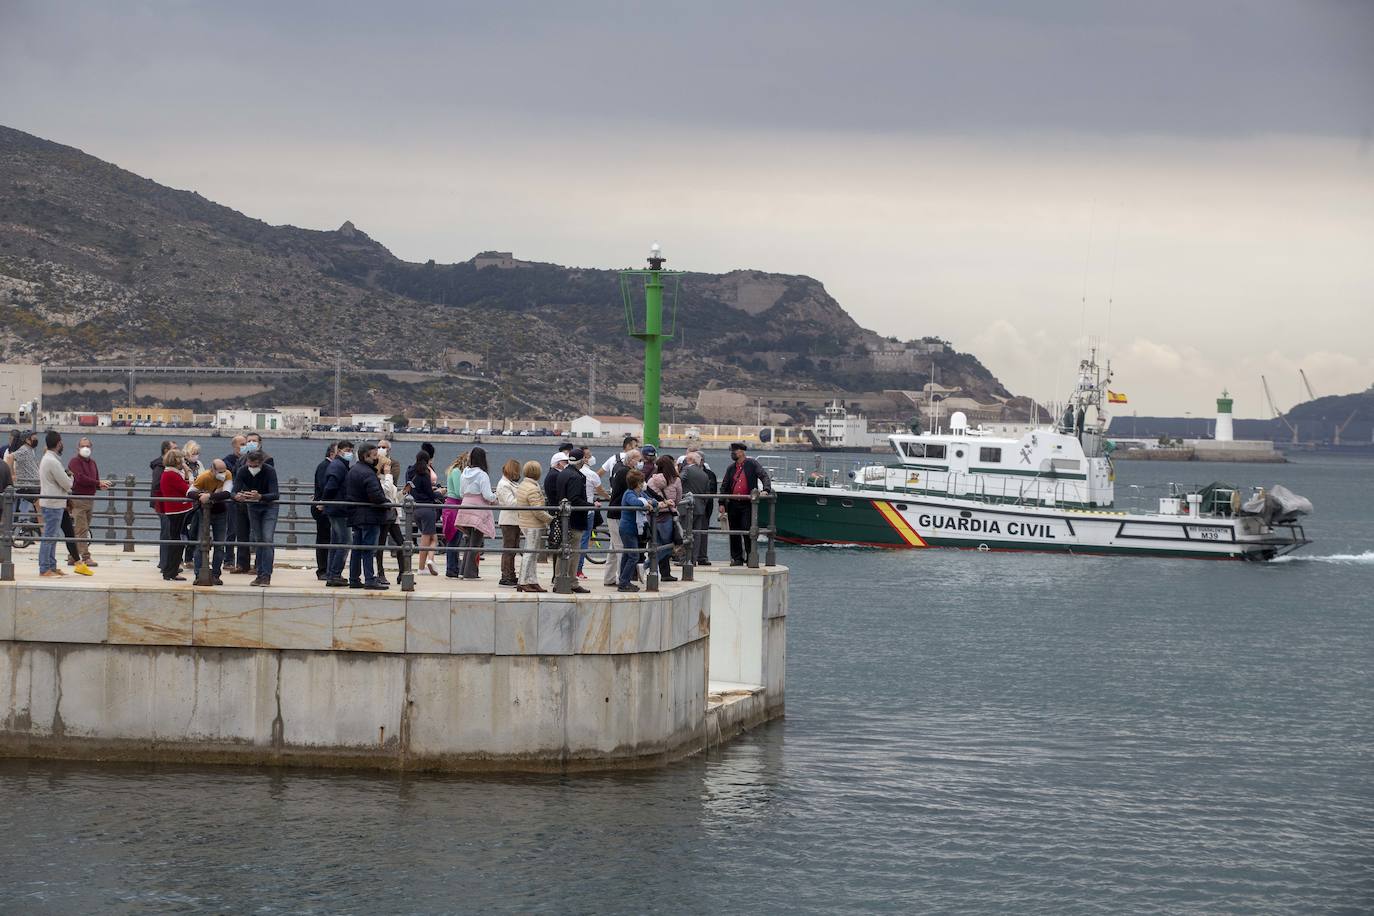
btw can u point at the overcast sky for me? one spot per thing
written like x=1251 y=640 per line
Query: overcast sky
x=993 y=173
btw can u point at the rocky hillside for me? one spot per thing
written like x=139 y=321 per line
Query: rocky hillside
x=100 y=265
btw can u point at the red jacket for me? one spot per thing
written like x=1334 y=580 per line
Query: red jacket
x=173 y=484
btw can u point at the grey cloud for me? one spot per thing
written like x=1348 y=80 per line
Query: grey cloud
x=1214 y=68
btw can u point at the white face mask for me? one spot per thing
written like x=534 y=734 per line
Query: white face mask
x=254 y=471
x=84 y=451
x=223 y=475
x=383 y=451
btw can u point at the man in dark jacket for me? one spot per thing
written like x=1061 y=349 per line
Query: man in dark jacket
x=321 y=520
x=572 y=486
x=363 y=486
x=697 y=482
x=255 y=488
x=557 y=464
x=334 y=488
x=742 y=477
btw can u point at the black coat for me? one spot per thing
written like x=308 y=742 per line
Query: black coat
x=753 y=473
x=264 y=482
x=334 y=487
x=551 y=486
x=619 y=472
x=364 y=486
x=320 y=470
x=572 y=486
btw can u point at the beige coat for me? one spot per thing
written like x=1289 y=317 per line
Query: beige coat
x=505 y=496
x=531 y=495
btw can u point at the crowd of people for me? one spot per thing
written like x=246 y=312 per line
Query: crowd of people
x=358 y=488
x=61 y=497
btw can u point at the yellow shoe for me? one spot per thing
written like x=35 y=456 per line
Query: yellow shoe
x=82 y=569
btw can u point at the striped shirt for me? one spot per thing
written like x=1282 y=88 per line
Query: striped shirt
x=25 y=467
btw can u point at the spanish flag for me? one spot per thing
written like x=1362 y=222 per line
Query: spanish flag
x=1115 y=397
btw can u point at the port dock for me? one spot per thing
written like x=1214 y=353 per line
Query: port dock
x=453 y=676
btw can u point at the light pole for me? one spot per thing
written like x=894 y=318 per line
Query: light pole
x=651 y=331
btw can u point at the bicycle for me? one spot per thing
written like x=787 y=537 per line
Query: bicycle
x=27 y=529
x=600 y=541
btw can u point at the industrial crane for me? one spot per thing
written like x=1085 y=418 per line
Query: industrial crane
x=1311 y=395
x=1340 y=429
x=1274 y=411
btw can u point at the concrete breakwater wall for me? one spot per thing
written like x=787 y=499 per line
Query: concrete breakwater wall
x=426 y=682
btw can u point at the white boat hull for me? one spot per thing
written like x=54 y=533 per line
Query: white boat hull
x=902 y=520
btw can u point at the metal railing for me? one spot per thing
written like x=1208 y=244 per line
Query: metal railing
x=125 y=525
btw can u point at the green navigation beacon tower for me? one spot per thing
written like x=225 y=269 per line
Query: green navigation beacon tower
x=652 y=329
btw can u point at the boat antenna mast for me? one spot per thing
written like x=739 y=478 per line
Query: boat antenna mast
x=1089 y=391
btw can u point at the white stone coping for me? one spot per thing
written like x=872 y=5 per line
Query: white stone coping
x=459 y=623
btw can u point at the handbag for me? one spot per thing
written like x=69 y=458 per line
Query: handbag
x=555 y=533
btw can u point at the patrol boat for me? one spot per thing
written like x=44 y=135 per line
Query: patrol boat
x=1052 y=489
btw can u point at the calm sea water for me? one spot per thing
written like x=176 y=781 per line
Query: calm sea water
x=965 y=732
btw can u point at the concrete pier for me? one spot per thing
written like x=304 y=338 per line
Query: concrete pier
x=453 y=676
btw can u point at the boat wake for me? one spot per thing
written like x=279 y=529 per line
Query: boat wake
x=1343 y=558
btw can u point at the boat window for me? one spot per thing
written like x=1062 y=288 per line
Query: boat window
x=1065 y=464
x=990 y=455
x=925 y=450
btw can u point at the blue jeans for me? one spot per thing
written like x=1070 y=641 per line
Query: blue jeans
x=52 y=528
x=586 y=543
x=663 y=532
x=219 y=524
x=262 y=526
x=339 y=534
x=365 y=563
x=630 y=541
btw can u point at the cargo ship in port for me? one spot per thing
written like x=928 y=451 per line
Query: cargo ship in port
x=1051 y=489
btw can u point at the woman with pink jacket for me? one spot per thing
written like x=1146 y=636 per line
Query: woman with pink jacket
x=476 y=524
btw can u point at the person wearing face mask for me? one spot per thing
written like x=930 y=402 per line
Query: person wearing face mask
x=53 y=488
x=241 y=557
x=23 y=462
x=86 y=483
x=255 y=486
x=366 y=517
x=212 y=488
x=334 y=489
x=176 y=508
x=321 y=520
